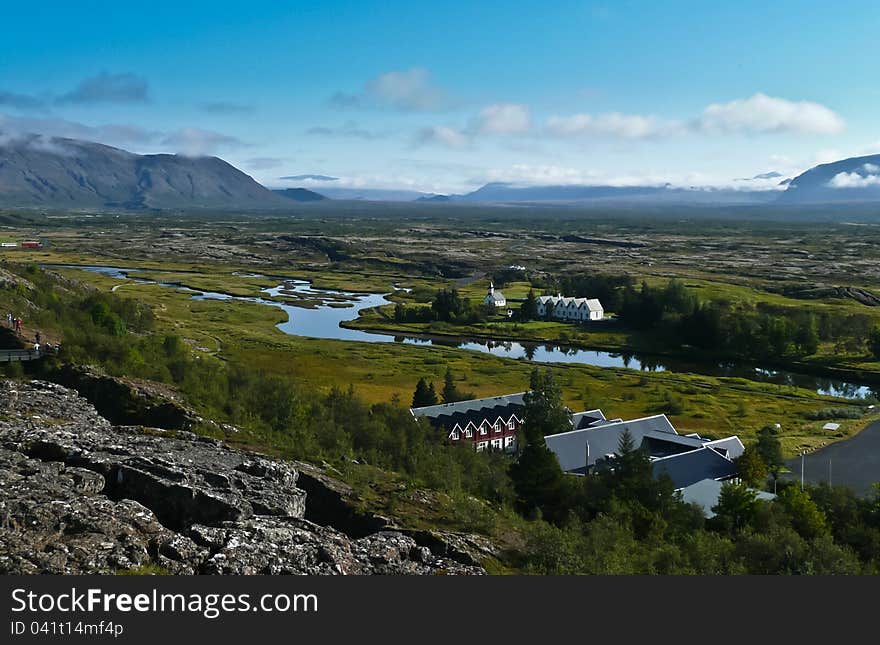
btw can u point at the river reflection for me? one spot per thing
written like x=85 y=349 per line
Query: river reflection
x=321 y=320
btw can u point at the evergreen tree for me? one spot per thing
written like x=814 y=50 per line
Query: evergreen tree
x=806 y=336
x=770 y=449
x=529 y=308
x=874 y=343
x=544 y=412
x=450 y=392
x=424 y=394
x=536 y=475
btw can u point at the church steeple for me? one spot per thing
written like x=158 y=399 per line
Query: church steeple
x=491 y=288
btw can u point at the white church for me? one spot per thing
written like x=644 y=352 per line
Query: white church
x=573 y=309
x=495 y=298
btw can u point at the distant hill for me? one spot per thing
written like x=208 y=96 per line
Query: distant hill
x=372 y=194
x=53 y=172
x=507 y=193
x=300 y=194
x=434 y=198
x=850 y=180
x=309 y=178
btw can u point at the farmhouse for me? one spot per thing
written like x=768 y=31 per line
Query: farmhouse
x=494 y=298
x=489 y=423
x=573 y=309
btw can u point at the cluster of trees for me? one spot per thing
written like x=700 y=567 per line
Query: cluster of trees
x=737 y=329
x=874 y=343
x=425 y=393
x=609 y=289
x=624 y=520
x=742 y=330
x=447 y=306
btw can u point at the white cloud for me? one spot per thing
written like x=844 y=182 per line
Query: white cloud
x=407 y=90
x=349 y=130
x=871 y=169
x=553 y=175
x=115 y=134
x=612 y=124
x=443 y=135
x=762 y=113
x=503 y=118
x=753 y=115
x=195 y=142
x=854 y=180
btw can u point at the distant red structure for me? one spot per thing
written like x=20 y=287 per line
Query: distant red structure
x=31 y=245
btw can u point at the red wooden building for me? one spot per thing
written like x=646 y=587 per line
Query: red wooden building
x=487 y=424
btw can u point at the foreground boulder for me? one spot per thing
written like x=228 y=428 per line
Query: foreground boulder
x=79 y=495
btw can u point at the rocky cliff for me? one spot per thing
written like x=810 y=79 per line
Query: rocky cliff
x=80 y=495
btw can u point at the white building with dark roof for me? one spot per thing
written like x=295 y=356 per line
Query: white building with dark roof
x=570 y=309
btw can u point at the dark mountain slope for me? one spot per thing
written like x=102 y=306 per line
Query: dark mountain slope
x=300 y=194
x=856 y=179
x=40 y=172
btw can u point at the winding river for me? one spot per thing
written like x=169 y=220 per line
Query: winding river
x=323 y=321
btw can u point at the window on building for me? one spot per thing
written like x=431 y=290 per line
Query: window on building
x=454 y=435
x=481 y=446
x=468 y=433
x=497 y=426
x=511 y=425
x=496 y=443
x=483 y=429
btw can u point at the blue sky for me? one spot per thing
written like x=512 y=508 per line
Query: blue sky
x=445 y=96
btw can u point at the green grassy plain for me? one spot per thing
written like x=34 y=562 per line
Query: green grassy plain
x=246 y=333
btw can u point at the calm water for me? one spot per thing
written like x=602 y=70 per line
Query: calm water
x=324 y=322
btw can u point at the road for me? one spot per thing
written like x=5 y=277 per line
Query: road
x=854 y=462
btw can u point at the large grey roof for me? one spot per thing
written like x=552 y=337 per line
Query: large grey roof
x=732 y=445
x=588 y=418
x=570 y=448
x=705 y=494
x=690 y=467
x=662 y=444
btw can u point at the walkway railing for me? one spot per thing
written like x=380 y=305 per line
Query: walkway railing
x=16 y=355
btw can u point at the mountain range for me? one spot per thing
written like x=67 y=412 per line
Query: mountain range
x=38 y=171
x=855 y=180
x=41 y=172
